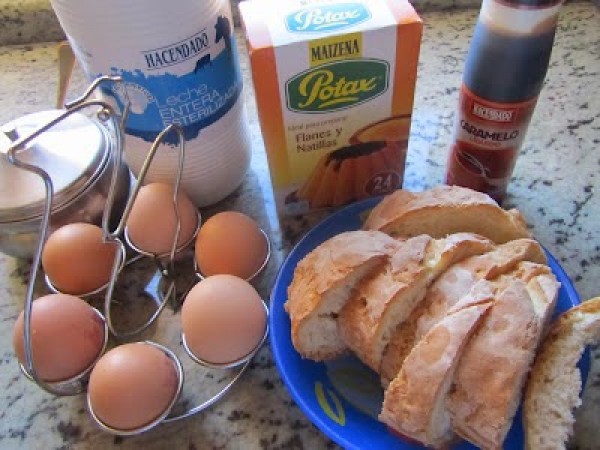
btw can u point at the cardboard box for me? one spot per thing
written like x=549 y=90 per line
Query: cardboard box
x=334 y=83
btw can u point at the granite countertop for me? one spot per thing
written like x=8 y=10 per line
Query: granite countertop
x=555 y=185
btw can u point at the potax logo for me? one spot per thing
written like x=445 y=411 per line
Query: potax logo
x=327 y=18
x=337 y=85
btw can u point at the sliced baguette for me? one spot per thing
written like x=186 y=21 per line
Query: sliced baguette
x=323 y=282
x=450 y=287
x=554 y=386
x=415 y=401
x=490 y=377
x=442 y=296
x=445 y=210
x=367 y=321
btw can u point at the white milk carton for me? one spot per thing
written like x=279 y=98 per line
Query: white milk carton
x=179 y=65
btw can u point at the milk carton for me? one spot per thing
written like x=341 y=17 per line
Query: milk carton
x=334 y=83
x=179 y=65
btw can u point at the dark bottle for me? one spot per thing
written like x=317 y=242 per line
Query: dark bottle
x=504 y=73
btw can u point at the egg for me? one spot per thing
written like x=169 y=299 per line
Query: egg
x=223 y=319
x=230 y=243
x=132 y=385
x=152 y=221
x=67 y=336
x=77 y=260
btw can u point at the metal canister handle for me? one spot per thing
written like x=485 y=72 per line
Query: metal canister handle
x=107 y=112
x=115 y=236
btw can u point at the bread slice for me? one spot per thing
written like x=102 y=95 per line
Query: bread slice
x=445 y=210
x=323 y=282
x=554 y=387
x=490 y=377
x=367 y=321
x=450 y=287
x=415 y=401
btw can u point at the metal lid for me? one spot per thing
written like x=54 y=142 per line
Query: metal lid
x=72 y=152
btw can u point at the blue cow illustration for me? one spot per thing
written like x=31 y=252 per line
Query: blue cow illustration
x=223 y=32
x=202 y=62
x=223 y=29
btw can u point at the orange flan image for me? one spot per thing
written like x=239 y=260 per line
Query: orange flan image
x=391 y=129
x=354 y=172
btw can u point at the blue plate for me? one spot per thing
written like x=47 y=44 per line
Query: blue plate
x=343 y=397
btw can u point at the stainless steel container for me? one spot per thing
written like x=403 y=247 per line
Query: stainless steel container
x=78 y=154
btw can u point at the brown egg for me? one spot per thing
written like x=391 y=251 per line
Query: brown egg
x=230 y=243
x=132 y=385
x=223 y=319
x=67 y=336
x=152 y=222
x=77 y=260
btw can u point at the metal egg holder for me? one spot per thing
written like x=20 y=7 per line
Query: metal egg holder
x=109 y=117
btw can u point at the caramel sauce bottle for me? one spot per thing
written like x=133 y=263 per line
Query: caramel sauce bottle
x=505 y=69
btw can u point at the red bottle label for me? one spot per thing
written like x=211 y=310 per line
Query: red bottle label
x=487 y=140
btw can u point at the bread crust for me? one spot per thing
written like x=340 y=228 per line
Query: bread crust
x=450 y=287
x=414 y=403
x=492 y=372
x=328 y=267
x=380 y=303
x=361 y=319
x=444 y=210
x=551 y=395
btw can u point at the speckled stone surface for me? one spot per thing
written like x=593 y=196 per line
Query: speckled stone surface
x=26 y=21
x=555 y=185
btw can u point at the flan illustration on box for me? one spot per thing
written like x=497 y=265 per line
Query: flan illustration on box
x=372 y=164
x=334 y=83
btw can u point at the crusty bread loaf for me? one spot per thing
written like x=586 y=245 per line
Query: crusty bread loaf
x=451 y=286
x=456 y=353
x=445 y=210
x=380 y=303
x=554 y=386
x=415 y=401
x=492 y=371
x=323 y=282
